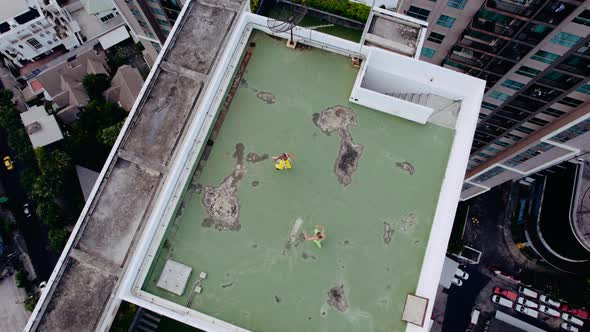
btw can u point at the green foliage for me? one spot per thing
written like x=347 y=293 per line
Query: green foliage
x=83 y=144
x=28 y=178
x=18 y=140
x=31 y=302
x=108 y=135
x=54 y=167
x=58 y=238
x=353 y=10
x=22 y=280
x=96 y=84
x=254 y=4
x=51 y=214
x=124 y=317
x=139 y=47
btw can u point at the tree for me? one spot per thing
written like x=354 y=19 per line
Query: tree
x=22 y=279
x=31 y=302
x=108 y=136
x=51 y=214
x=58 y=238
x=96 y=84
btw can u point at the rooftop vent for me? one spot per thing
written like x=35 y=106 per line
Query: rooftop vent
x=33 y=127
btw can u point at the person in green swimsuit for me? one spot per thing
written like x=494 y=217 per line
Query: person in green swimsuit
x=319 y=234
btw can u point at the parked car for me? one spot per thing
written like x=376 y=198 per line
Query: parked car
x=27 y=210
x=475 y=316
x=527 y=311
x=528 y=292
x=569 y=327
x=549 y=301
x=457 y=281
x=528 y=303
x=8 y=163
x=580 y=313
x=506 y=293
x=548 y=311
x=502 y=301
x=462 y=274
x=572 y=319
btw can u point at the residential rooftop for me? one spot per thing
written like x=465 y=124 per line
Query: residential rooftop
x=140 y=190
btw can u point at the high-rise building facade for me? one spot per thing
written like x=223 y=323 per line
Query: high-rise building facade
x=535 y=57
x=150 y=22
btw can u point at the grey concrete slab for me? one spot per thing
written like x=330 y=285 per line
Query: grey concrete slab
x=77 y=303
x=120 y=208
x=207 y=25
x=163 y=116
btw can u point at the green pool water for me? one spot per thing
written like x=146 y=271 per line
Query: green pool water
x=256 y=280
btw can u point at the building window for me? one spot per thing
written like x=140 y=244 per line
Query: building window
x=566 y=39
x=539 y=122
x=499 y=95
x=419 y=13
x=34 y=43
x=427 y=52
x=49 y=42
x=572 y=132
x=571 y=102
x=436 y=37
x=528 y=71
x=529 y=154
x=513 y=137
x=553 y=112
x=151 y=35
x=107 y=17
x=514 y=85
x=459 y=4
x=489 y=106
x=135 y=12
x=546 y=57
x=446 y=21
x=491 y=149
x=141 y=23
x=162 y=22
x=583 y=18
x=489 y=174
x=502 y=143
x=157 y=11
x=525 y=130
x=584 y=89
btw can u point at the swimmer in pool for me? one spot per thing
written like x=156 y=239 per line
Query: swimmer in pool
x=319 y=235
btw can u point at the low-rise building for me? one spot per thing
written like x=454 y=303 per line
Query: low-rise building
x=125 y=87
x=62 y=84
x=42 y=128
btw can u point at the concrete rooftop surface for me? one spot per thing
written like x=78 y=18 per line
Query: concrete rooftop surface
x=80 y=292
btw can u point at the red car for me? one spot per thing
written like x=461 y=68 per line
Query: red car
x=581 y=313
x=506 y=293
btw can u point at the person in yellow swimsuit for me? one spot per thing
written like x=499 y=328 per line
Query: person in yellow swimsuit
x=284 y=161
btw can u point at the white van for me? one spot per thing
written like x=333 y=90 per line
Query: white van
x=572 y=319
x=474 y=316
x=528 y=292
x=502 y=301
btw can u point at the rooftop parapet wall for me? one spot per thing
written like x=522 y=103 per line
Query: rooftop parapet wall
x=80 y=292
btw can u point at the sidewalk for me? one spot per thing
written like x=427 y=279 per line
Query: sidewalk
x=13 y=316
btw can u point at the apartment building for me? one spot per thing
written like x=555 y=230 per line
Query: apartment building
x=150 y=22
x=535 y=58
x=30 y=29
